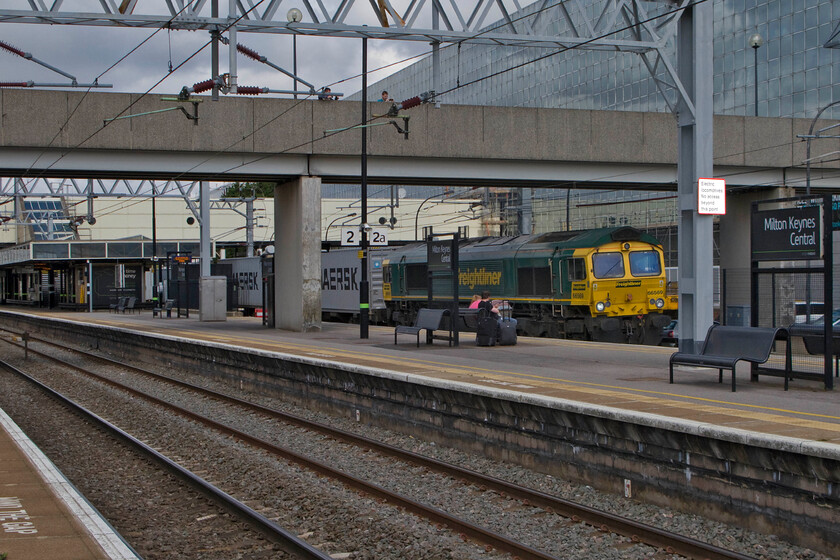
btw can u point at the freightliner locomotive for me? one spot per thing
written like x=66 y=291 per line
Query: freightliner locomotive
x=604 y=284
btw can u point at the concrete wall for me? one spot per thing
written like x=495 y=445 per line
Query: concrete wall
x=774 y=485
x=62 y=120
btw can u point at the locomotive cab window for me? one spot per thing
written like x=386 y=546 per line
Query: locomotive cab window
x=608 y=265
x=645 y=263
x=577 y=270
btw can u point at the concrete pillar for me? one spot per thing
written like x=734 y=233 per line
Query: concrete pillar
x=694 y=65
x=735 y=250
x=297 y=255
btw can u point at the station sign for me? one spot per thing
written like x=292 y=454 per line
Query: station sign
x=835 y=215
x=787 y=234
x=439 y=254
x=711 y=196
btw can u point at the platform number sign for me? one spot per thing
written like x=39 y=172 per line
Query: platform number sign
x=378 y=237
x=350 y=236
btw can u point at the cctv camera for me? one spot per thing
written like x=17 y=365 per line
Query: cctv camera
x=367 y=227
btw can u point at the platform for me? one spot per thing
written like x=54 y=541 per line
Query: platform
x=42 y=515
x=623 y=377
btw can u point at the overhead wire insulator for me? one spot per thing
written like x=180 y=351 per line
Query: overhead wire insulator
x=250 y=53
x=250 y=90
x=412 y=102
x=13 y=50
x=16 y=84
x=203 y=86
x=409 y=103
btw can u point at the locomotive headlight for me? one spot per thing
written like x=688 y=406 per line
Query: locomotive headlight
x=600 y=306
x=660 y=303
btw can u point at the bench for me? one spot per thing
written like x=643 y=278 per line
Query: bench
x=813 y=338
x=119 y=304
x=428 y=319
x=127 y=305
x=167 y=306
x=725 y=346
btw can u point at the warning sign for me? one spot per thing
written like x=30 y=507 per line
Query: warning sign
x=711 y=196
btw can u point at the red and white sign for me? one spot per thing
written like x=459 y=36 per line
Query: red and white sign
x=711 y=196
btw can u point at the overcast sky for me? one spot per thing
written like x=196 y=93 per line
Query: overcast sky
x=86 y=52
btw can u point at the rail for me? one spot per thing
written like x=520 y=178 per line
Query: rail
x=672 y=542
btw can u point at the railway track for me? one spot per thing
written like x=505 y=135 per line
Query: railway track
x=288 y=542
x=635 y=532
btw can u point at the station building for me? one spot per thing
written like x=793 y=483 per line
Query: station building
x=794 y=73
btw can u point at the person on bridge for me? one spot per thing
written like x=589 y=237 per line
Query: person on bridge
x=325 y=95
x=385 y=97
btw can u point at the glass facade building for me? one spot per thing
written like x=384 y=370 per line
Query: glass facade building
x=796 y=74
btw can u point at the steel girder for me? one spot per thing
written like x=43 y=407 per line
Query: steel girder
x=398 y=20
x=120 y=188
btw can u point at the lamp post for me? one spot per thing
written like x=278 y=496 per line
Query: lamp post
x=810 y=136
x=155 y=280
x=755 y=41
x=364 y=295
x=293 y=16
x=417 y=214
x=327 y=233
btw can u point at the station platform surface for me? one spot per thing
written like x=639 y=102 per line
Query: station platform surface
x=41 y=514
x=618 y=376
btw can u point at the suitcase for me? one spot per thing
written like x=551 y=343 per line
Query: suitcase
x=507 y=332
x=487 y=331
x=507 y=327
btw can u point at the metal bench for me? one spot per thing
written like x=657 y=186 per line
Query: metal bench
x=167 y=306
x=726 y=346
x=127 y=305
x=428 y=319
x=119 y=304
x=813 y=337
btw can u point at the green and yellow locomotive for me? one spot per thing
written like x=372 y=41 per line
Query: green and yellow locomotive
x=604 y=284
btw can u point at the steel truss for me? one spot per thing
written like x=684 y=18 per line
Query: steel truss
x=451 y=22
x=643 y=27
x=120 y=188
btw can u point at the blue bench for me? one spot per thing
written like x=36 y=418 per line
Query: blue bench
x=429 y=320
x=725 y=346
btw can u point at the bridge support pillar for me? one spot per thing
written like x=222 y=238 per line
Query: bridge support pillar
x=297 y=255
x=735 y=252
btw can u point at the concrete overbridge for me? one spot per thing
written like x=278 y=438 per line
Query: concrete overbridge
x=63 y=134
x=71 y=134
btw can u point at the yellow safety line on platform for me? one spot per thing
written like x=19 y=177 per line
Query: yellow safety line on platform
x=581 y=386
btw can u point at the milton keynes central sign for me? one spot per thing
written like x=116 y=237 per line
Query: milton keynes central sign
x=787 y=234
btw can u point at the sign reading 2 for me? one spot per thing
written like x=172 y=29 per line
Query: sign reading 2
x=350 y=236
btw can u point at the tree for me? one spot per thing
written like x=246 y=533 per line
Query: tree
x=247 y=190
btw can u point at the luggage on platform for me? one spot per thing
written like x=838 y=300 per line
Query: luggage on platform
x=487 y=331
x=507 y=327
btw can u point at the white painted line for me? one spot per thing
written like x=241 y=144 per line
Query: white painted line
x=99 y=529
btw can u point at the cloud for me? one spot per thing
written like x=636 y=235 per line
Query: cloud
x=87 y=52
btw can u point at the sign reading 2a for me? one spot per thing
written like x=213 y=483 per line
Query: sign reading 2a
x=351 y=236
x=378 y=236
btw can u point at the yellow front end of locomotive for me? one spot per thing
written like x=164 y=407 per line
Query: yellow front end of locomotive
x=626 y=278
